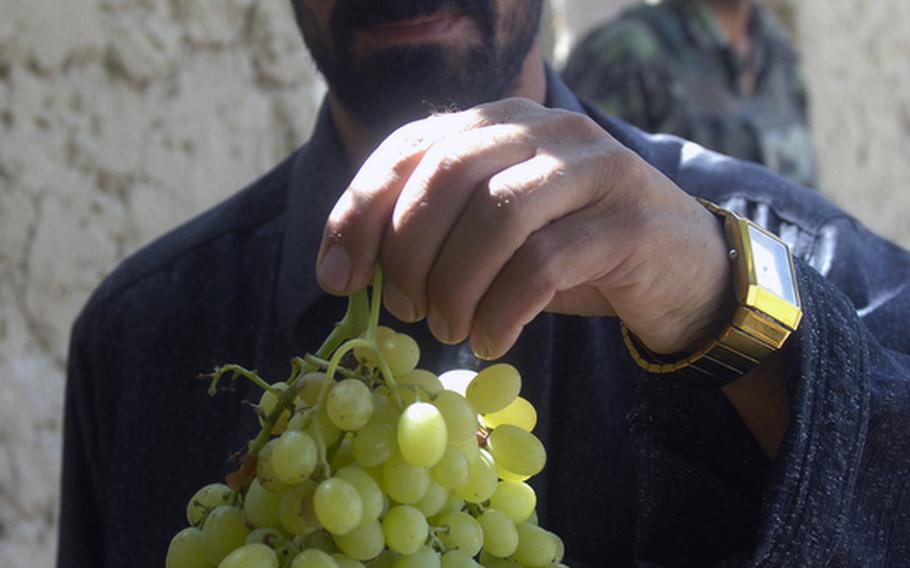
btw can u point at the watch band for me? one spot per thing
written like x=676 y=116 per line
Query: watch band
x=752 y=336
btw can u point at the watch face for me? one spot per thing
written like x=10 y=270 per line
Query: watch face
x=772 y=266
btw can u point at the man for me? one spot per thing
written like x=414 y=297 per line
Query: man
x=717 y=72
x=498 y=223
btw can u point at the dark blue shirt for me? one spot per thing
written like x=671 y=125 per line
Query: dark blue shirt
x=640 y=469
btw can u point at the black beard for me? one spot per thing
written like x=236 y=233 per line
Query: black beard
x=388 y=88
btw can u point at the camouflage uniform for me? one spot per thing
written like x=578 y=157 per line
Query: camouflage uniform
x=669 y=68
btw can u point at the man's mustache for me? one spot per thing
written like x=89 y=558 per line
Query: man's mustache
x=350 y=15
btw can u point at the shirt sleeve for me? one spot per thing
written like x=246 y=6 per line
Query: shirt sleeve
x=838 y=492
x=81 y=538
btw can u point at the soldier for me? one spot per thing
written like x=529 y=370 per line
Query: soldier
x=718 y=72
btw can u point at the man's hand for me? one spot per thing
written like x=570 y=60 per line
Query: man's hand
x=484 y=218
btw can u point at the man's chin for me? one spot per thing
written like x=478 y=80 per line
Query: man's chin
x=408 y=84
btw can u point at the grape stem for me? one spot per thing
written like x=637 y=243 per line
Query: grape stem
x=435 y=542
x=237 y=371
x=356 y=329
x=324 y=364
x=351 y=325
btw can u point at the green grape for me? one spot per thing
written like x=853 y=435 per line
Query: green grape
x=267 y=404
x=533 y=520
x=423 y=379
x=350 y=405
x=560 y=547
x=206 y=499
x=223 y=531
x=433 y=501
x=468 y=447
x=403 y=482
x=452 y=470
x=251 y=556
x=422 y=435
x=489 y=561
x=401 y=352
x=368 y=356
x=494 y=388
x=327 y=429
x=313 y=558
x=459 y=416
x=453 y=503
x=457 y=380
x=517 y=450
x=343 y=455
x=374 y=444
x=299 y=420
x=507 y=475
x=384 y=410
x=364 y=542
x=482 y=481
x=516 y=499
x=519 y=413
x=294 y=457
x=186 y=550
x=500 y=537
x=296 y=511
x=424 y=557
x=405 y=529
x=385 y=560
x=273 y=538
x=308 y=389
x=409 y=394
x=370 y=493
x=261 y=507
x=458 y=559
x=536 y=547
x=464 y=533
x=375 y=473
x=345 y=561
x=338 y=506
x=265 y=473
x=320 y=540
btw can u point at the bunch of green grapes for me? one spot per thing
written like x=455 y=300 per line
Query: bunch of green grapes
x=366 y=460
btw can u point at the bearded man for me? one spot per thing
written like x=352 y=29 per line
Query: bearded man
x=701 y=426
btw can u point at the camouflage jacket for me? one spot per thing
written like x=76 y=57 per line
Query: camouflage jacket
x=669 y=68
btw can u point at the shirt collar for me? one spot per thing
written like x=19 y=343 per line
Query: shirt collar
x=319 y=174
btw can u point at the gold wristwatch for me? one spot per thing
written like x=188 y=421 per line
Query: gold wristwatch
x=768 y=310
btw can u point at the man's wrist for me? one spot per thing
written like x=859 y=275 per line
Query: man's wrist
x=766 y=311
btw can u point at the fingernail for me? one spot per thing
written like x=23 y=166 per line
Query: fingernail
x=482 y=347
x=399 y=303
x=439 y=327
x=334 y=271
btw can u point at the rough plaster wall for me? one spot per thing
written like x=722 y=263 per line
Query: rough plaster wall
x=118 y=120
x=121 y=118
x=857 y=59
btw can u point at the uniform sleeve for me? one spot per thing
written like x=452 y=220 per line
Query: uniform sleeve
x=81 y=538
x=838 y=492
x=621 y=70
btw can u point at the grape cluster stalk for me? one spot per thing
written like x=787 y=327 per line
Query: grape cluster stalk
x=364 y=459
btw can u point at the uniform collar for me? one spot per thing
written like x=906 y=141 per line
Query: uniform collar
x=320 y=173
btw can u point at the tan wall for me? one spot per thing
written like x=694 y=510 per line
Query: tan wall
x=857 y=59
x=118 y=120
x=121 y=118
